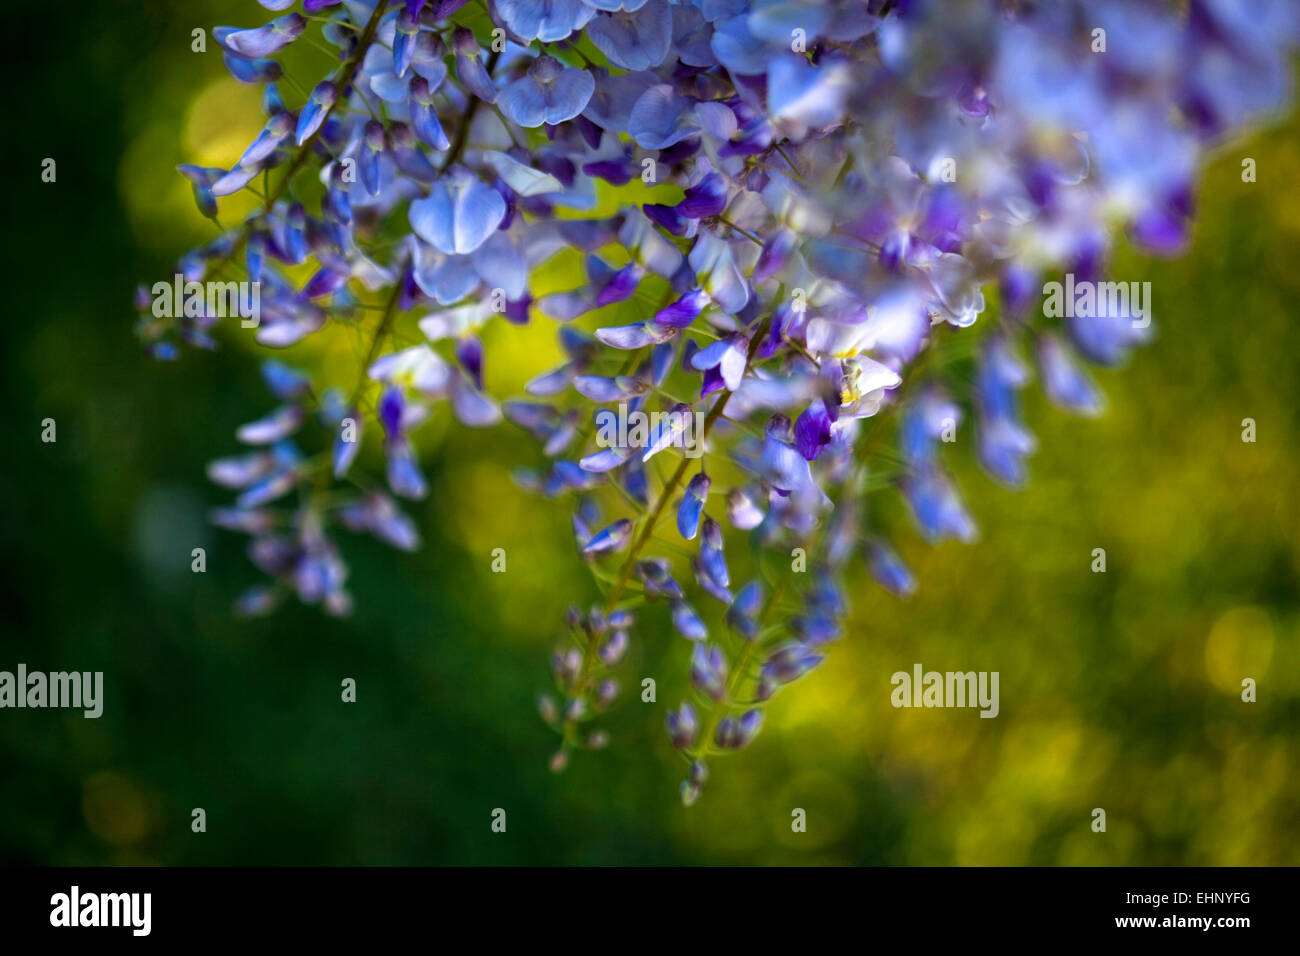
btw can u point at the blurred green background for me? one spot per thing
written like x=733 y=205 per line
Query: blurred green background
x=1118 y=690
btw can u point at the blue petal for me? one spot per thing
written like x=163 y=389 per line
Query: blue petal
x=614 y=6
x=561 y=437
x=612 y=102
x=728 y=355
x=634 y=41
x=404 y=475
x=445 y=279
x=282 y=422
x=775 y=23
x=545 y=20
x=1064 y=381
x=285 y=383
x=268 y=489
x=600 y=388
x=551 y=383
x=714 y=264
x=424 y=116
x=524 y=102
x=812 y=430
x=937 y=507
x=738 y=49
x=371 y=149
x=548 y=93
x=669 y=428
x=780 y=462
x=710 y=355
x=392 y=407
x=684 y=311
x=687 y=622
x=471 y=406
x=692 y=506
x=386 y=84
x=383 y=519
x=277 y=128
x=346 y=451
x=569 y=95
x=428 y=60
x=564 y=306
x=709 y=670
x=749 y=600
x=711 y=556
x=314 y=111
x=691 y=34
x=295 y=243
x=235 y=180
x=634 y=336
x=742 y=512
x=611 y=538
x=706 y=198
x=889 y=570
x=469 y=353
x=265 y=40
x=502 y=266
x=251 y=71
x=240 y=471
x=807 y=94
x=469 y=66
x=406 y=30
x=661 y=362
x=459 y=214
x=522 y=179
x=607 y=459
x=661 y=117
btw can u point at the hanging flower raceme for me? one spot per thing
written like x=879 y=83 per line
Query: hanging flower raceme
x=801 y=211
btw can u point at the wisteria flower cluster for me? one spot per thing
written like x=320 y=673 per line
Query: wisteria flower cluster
x=858 y=202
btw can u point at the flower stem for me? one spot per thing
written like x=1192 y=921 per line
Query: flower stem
x=377 y=342
x=462 y=132
x=589 y=652
x=669 y=489
x=734 y=682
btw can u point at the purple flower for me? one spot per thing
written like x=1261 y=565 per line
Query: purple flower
x=545 y=20
x=262 y=41
x=729 y=356
x=709 y=670
x=781 y=208
x=687 y=622
x=661 y=117
x=548 y=93
x=683 y=311
x=1065 y=382
x=470 y=68
x=706 y=198
x=272 y=135
x=281 y=423
x=733 y=734
x=424 y=115
x=889 y=570
x=692 y=506
x=812 y=430
x=459 y=214
x=635 y=38
x=790 y=661
x=609 y=539
x=712 y=561
x=682 y=726
x=318 y=106
x=203 y=179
